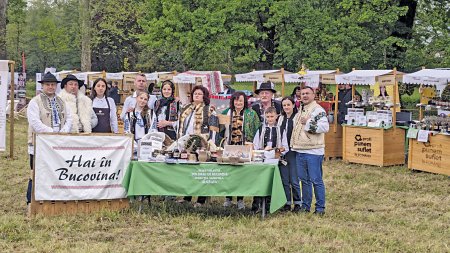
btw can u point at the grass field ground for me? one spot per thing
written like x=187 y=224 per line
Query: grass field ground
x=369 y=209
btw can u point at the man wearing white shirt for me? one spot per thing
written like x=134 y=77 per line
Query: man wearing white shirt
x=308 y=140
x=140 y=82
x=47 y=113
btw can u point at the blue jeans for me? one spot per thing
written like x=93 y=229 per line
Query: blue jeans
x=290 y=180
x=310 y=174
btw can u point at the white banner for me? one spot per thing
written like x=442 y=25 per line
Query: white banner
x=3 y=102
x=76 y=167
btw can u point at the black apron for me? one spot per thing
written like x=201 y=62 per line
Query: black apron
x=104 y=121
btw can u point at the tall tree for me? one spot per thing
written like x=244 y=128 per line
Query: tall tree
x=85 y=21
x=114 y=37
x=430 y=44
x=15 y=31
x=201 y=35
x=3 y=7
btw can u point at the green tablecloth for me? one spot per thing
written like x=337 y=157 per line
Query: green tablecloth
x=209 y=179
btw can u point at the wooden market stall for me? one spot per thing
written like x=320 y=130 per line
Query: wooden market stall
x=313 y=79
x=186 y=80
x=380 y=145
x=433 y=155
x=259 y=76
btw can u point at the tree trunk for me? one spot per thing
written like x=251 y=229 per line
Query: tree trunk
x=85 y=21
x=403 y=30
x=3 y=7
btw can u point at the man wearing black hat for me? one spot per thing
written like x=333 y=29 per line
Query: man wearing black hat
x=84 y=118
x=46 y=113
x=265 y=92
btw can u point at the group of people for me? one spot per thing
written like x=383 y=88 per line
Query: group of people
x=292 y=128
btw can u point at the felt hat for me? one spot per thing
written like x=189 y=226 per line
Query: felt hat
x=71 y=77
x=49 y=78
x=266 y=86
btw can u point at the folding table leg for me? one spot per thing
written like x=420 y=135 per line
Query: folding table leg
x=141 y=200
x=263 y=212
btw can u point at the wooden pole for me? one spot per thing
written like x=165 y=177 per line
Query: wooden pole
x=282 y=82
x=420 y=99
x=353 y=92
x=255 y=83
x=11 y=113
x=336 y=103
x=394 y=108
x=177 y=89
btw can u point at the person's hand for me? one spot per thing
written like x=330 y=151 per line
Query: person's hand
x=303 y=120
x=163 y=123
x=267 y=148
x=130 y=109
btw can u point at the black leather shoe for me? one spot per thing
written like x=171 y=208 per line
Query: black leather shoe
x=299 y=209
x=319 y=213
x=296 y=208
x=285 y=208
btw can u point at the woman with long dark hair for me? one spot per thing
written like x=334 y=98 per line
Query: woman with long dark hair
x=165 y=111
x=288 y=171
x=104 y=107
x=296 y=96
x=244 y=122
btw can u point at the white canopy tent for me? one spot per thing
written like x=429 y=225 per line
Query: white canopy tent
x=312 y=78
x=155 y=76
x=372 y=77
x=260 y=76
x=438 y=77
x=368 y=77
x=255 y=76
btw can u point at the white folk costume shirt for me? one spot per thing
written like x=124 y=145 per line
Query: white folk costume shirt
x=161 y=117
x=258 y=145
x=34 y=122
x=130 y=102
x=101 y=103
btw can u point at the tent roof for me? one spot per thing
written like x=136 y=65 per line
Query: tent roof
x=257 y=75
x=438 y=77
x=428 y=76
x=362 y=77
x=311 y=78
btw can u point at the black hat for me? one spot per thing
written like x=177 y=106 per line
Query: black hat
x=266 y=86
x=49 y=78
x=71 y=77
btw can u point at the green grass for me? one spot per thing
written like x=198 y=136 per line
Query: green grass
x=369 y=209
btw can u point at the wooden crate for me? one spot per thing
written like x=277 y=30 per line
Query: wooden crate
x=432 y=156
x=92 y=78
x=333 y=143
x=120 y=121
x=128 y=82
x=374 y=146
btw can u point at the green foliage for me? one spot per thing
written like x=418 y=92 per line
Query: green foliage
x=14 y=31
x=232 y=36
x=200 y=35
x=325 y=36
x=51 y=36
x=430 y=45
x=114 y=34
